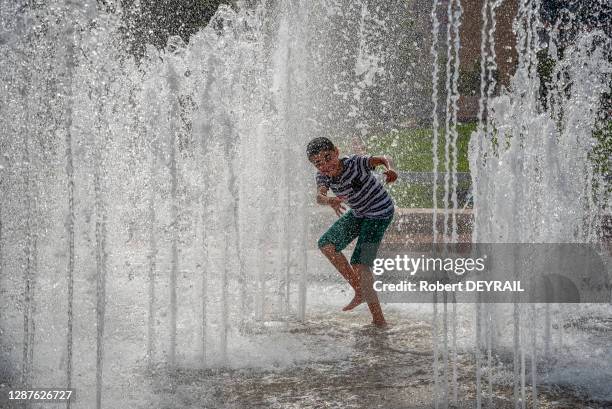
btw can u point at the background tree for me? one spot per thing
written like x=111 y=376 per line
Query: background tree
x=154 y=21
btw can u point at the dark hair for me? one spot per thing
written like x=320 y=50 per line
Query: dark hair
x=318 y=145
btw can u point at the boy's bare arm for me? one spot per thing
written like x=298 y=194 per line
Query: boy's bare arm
x=383 y=160
x=334 y=202
x=379 y=160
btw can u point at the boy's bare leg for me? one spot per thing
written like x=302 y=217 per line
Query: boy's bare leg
x=367 y=283
x=358 y=298
x=346 y=270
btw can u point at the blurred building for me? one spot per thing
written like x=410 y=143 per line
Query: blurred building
x=470 y=36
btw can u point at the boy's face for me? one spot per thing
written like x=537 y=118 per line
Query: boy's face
x=327 y=162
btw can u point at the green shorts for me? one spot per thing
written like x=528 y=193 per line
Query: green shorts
x=348 y=227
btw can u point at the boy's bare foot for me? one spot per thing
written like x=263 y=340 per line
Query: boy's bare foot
x=354 y=302
x=380 y=324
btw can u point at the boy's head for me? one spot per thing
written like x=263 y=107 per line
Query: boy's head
x=323 y=154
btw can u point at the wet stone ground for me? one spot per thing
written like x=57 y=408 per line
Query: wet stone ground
x=384 y=369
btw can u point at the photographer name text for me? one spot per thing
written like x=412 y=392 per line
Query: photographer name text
x=465 y=286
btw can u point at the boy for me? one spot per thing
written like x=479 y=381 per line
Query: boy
x=352 y=182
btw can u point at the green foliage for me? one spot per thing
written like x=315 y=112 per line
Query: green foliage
x=411 y=151
x=469 y=79
x=602 y=153
x=546 y=65
x=545 y=68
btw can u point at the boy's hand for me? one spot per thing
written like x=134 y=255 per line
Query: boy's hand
x=337 y=204
x=391 y=175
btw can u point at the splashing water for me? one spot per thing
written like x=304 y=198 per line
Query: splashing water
x=534 y=178
x=159 y=209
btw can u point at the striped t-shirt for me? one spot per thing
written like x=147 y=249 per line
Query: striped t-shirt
x=359 y=188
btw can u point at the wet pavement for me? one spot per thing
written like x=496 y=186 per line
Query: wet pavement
x=389 y=369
